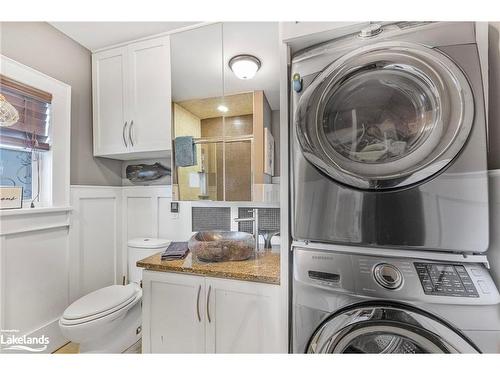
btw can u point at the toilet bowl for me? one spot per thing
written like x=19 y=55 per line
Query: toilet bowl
x=108 y=320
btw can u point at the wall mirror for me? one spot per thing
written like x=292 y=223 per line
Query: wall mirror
x=226 y=123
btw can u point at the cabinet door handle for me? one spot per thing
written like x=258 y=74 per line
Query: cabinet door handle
x=198 y=304
x=130 y=133
x=208 y=304
x=123 y=134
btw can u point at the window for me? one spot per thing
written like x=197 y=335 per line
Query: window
x=23 y=144
x=16 y=170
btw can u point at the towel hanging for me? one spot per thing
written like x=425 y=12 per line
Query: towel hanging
x=185 y=151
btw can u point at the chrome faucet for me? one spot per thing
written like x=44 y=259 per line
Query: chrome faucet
x=255 y=220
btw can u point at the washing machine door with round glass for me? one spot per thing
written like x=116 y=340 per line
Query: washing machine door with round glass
x=385 y=116
x=387 y=328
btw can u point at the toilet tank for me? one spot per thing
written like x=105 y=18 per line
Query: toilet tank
x=140 y=248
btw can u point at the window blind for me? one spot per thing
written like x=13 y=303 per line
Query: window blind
x=33 y=106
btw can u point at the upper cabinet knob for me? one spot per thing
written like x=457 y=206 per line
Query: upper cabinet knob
x=371 y=30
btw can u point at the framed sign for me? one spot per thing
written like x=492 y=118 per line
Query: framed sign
x=11 y=197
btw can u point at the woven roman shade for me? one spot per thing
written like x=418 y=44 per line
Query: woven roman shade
x=33 y=105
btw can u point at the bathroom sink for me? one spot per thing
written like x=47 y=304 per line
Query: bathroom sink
x=221 y=246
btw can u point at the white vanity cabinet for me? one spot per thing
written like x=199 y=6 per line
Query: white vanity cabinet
x=131 y=90
x=242 y=317
x=193 y=314
x=173 y=313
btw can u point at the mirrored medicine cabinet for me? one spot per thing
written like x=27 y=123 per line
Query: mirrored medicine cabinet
x=226 y=124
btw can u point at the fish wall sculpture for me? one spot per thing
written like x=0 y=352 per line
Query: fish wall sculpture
x=147 y=172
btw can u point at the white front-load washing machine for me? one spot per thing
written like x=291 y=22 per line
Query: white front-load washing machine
x=348 y=300
x=389 y=139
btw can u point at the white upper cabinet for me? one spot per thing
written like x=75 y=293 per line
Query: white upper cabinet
x=150 y=95
x=131 y=97
x=109 y=94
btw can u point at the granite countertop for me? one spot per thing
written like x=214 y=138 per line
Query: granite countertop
x=265 y=268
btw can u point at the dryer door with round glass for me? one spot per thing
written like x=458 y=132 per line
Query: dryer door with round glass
x=385 y=116
x=388 y=329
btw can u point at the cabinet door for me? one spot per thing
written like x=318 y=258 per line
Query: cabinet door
x=109 y=93
x=150 y=95
x=242 y=317
x=173 y=313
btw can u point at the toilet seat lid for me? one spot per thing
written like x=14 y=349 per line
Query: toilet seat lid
x=100 y=301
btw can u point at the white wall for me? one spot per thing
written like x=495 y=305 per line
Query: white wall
x=34 y=273
x=96 y=238
x=50 y=257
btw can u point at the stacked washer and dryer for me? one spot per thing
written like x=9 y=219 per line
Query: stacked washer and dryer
x=390 y=194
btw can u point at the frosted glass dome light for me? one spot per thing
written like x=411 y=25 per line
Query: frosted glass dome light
x=244 y=66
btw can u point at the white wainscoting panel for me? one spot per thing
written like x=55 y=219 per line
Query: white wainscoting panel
x=146 y=213
x=175 y=227
x=34 y=274
x=105 y=218
x=140 y=215
x=95 y=237
x=37 y=275
x=141 y=211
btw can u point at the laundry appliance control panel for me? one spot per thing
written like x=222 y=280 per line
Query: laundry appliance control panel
x=396 y=278
x=446 y=280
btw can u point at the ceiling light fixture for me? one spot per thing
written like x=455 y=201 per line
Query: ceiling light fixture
x=244 y=66
x=222 y=108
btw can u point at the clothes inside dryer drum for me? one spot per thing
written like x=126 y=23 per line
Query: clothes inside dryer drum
x=380 y=116
x=385 y=116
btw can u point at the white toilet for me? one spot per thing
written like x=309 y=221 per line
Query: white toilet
x=108 y=320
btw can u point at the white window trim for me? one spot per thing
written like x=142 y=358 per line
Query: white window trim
x=34 y=173
x=55 y=165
